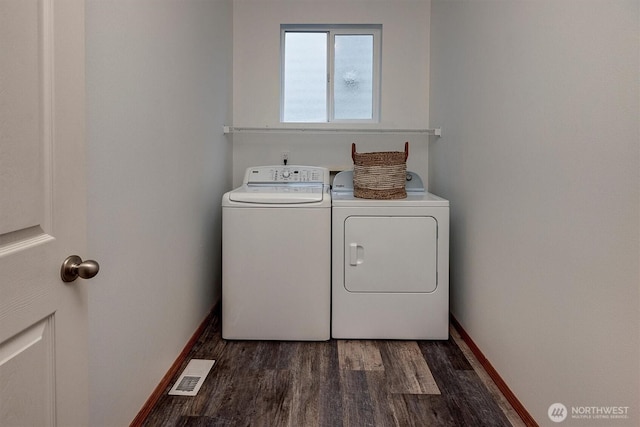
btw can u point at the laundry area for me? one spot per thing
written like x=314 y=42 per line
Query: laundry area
x=366 y=259
x=383 y=257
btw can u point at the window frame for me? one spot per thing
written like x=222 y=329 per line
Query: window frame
x=332 y=31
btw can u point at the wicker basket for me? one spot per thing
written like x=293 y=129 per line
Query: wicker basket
x=380 y=175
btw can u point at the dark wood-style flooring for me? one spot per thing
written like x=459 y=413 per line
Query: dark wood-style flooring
x=334 y=383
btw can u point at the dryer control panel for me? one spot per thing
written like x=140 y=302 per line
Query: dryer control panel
x=286 y=174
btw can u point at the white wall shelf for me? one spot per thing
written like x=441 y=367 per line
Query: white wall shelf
x=317 y=130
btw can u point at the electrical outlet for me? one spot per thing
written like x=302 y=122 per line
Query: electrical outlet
x=285 y=157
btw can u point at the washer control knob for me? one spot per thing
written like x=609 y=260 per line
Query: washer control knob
x=286 y=174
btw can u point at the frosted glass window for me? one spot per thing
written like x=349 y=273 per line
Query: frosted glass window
x=305 y=77
x=330 y=73
x=353 y=74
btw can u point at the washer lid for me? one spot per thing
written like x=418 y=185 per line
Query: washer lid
x=278 y=194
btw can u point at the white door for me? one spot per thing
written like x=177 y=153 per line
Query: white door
x=390 y=254
x=43 y=321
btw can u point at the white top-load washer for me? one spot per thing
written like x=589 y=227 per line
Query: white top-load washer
x=390 y=264
x=276 y=255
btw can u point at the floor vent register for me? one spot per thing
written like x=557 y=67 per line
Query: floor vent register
x=192 y=378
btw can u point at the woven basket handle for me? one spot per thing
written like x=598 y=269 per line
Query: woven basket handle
x=353 y=151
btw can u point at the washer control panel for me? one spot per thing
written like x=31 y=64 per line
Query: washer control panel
x=286 y=174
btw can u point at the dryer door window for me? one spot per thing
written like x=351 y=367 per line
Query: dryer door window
x=390 y=254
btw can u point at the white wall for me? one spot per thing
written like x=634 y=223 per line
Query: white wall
x=256 y=86
x=539 y=104
x=159 y=91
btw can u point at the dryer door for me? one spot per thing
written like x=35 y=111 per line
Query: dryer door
x=390 y=254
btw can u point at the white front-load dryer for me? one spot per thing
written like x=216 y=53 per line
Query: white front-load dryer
x=276 y=255
x=390 y=261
